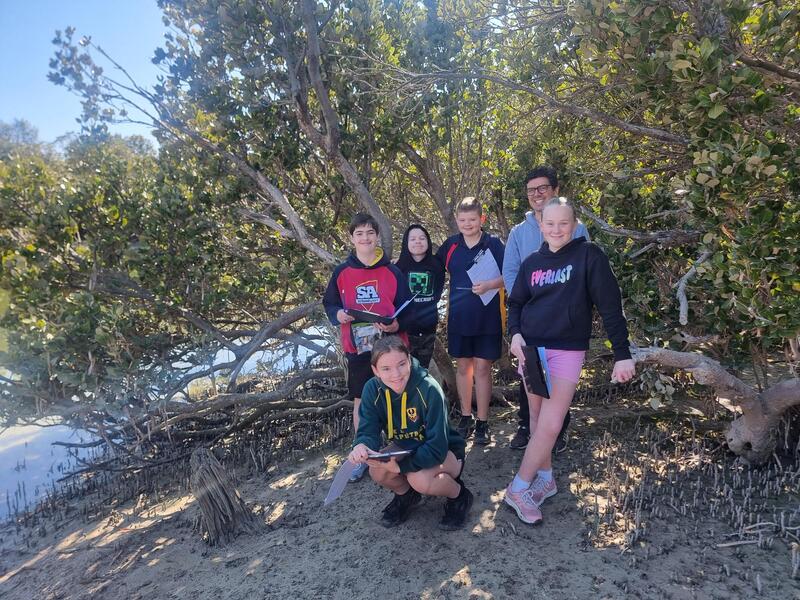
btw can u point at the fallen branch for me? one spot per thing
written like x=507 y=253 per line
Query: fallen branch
x=753 y=434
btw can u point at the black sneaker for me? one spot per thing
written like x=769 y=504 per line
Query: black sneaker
x=482 y=436
x=456 y=509
x=561 y=443
x=465 y=426
x=520 y=439
x=397 y=510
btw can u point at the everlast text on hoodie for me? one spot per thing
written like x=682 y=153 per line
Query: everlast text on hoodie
x=551 y=303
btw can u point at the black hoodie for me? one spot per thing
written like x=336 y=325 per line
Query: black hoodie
x=551 y=303
x=426 y=279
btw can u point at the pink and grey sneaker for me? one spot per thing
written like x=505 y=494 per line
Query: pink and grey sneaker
x=541 y=491
x=522 y=502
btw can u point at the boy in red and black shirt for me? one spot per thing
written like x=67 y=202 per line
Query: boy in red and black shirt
x=366 y=281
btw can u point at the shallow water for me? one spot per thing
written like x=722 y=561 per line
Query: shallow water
x=30 y=464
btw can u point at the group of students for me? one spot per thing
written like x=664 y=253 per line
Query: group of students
x=556 y=276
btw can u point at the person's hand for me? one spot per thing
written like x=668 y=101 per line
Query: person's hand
x=390 y=328
x=517 y=342
x=343 y=317
x=480 y=288
x=389 y=465
x=624 y=370
x=359 y=454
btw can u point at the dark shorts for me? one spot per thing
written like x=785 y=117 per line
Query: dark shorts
x=359 y=372
x=421 y=346
x=474 y=346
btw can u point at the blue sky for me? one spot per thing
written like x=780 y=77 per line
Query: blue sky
x=129 y=30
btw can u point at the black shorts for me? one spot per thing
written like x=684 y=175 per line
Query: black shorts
x=359 y=372
x=421 y=347
x=487 y=347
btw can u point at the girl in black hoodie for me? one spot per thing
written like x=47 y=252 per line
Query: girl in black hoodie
x=551 y=307
x=425 y=276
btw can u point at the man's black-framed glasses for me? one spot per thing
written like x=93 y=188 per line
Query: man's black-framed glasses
x=539 y=189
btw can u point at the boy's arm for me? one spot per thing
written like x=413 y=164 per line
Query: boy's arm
x=331 y=299
x=369 y=425
x=434 y=450
x=438 y=287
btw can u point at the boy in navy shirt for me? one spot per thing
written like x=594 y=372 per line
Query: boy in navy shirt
x=474 y=330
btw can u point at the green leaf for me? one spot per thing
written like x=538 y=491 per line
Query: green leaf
x=716 y=111
x=679 y=64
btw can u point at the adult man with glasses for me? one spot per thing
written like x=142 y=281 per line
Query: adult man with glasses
x=541 y=184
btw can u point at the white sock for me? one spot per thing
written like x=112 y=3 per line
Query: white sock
x=519 y=484
x=545 y=474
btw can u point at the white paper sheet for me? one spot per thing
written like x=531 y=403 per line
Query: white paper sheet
x=484 y=268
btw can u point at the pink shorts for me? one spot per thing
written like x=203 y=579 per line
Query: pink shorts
x=564 y=364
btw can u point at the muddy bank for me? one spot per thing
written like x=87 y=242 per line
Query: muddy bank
x=647 y=508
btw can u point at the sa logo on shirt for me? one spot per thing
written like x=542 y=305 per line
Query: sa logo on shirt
x=412 y=414
x=367 y=293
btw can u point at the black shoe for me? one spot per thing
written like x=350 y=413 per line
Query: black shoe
x=465 y=426
x=398 y=509
x=456 y=509
x=482 y=436
x=520 y=439
x=561 y=443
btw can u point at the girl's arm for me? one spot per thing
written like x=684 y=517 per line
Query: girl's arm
x=434 y=450
x=520 y=295
x=606 y=296
x=369 y=418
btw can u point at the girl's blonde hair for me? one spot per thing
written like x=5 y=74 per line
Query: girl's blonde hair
x=561 y=201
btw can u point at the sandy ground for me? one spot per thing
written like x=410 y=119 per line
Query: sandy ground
x=585 y=549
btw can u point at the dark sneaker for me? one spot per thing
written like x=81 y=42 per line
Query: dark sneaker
x=561 y=443
x=482 y=436
x=398 y=509
x=465 y=426
x=456 y=509
x=520 y=439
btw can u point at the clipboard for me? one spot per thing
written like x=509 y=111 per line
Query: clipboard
x=535 y=374
x=365 y=316
x=386 y=456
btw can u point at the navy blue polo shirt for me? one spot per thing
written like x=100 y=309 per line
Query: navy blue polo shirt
x=466 y=314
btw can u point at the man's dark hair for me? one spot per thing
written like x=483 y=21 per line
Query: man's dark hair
x=360 y=219
x=543 y=171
